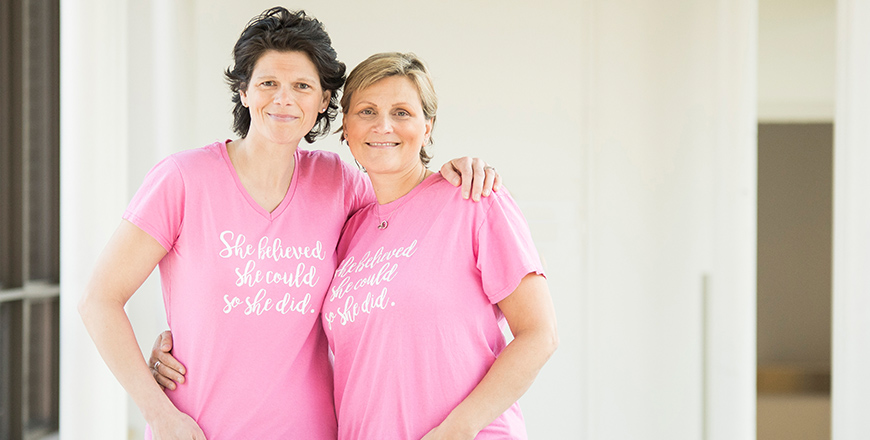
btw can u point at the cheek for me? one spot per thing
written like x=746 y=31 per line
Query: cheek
x=353 y=130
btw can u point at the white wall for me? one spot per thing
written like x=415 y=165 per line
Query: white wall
x=671 y=220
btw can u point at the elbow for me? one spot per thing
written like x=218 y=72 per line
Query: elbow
x=86 y=308
x=548 y=338
x=544 y=342
x=552 y=342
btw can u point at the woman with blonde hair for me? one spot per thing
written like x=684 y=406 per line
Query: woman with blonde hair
x=414 y=310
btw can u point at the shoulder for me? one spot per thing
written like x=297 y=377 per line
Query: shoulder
x=319 y=159
x=193 y=162
x=323 y=164
x=453 y=194
x=437 y=184
x=326 y=168
x=195 y=157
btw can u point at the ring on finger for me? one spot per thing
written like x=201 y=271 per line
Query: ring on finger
x=156 y=364
x=488 y=168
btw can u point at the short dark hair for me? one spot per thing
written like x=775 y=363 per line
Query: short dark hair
x=285 y=31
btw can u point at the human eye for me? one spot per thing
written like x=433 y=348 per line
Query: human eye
x=303 y=86
x=267 y=83
x=402 y=113
x=367 y=112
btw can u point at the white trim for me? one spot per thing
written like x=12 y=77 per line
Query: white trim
x=850 y=389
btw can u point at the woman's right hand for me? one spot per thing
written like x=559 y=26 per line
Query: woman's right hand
x=164 y=367
x=178 y=426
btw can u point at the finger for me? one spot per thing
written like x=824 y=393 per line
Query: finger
x=163 y=371
x=155 y=349
x=166 y=341
x=162 y=380
x=163 y=344
x=497 y=183
x=170 y=367
x=463 y=166
x=479 y=177
x=489 y=183
x=449 y=173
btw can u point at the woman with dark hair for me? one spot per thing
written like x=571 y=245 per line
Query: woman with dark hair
x=244 y=232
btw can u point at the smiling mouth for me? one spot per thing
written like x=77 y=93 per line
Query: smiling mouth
x=382 y=144
x=283 y=117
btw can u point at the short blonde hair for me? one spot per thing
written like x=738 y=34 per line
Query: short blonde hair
x=387 y=64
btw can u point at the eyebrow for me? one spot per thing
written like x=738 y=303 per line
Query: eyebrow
x=271 y=76
x=398 y=104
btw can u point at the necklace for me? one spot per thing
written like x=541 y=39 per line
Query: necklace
x=384 y=223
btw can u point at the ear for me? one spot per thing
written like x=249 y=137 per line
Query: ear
x=243 y=97
x=429 y=124
x=324 y=103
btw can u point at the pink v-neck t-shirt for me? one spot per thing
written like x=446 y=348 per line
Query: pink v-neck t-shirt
x=243 y=289
x=411 y=314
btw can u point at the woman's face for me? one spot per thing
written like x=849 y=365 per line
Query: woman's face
x=284 y=97
x=385 y=126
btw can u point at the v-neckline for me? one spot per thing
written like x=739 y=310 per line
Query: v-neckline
x=270 y=216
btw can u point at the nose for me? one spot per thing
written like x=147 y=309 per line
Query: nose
x=283 y=96
x=383 y=124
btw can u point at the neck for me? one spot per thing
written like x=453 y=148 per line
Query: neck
x=266 y=163
x=389 y=187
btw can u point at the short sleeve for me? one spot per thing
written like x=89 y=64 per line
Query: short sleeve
x=358 y=191
x=505 y=250
x=158 y=206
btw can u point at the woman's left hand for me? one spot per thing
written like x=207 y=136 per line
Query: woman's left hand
x=476 y=177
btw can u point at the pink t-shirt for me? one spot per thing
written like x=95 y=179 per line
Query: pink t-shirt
x=411 y=315
x=243 y=288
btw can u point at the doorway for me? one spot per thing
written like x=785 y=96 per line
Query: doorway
x=795 y=191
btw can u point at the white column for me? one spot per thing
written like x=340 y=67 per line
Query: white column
x=730 y=360
x=93 y=194
x=851 y=262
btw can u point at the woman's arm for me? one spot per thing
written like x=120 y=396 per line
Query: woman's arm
x=128 y=259
x=532 y=319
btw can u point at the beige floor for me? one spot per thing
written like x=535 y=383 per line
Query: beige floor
x=794 y=417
